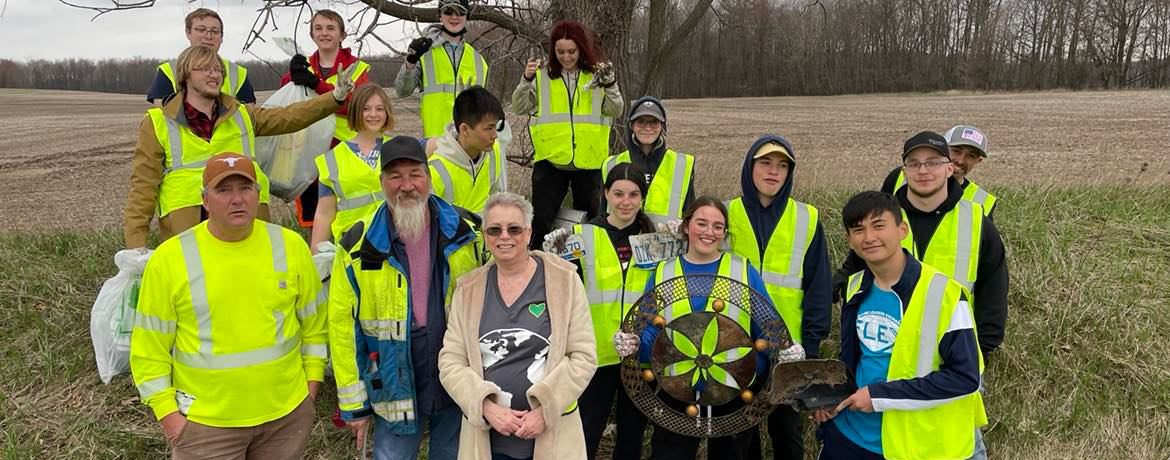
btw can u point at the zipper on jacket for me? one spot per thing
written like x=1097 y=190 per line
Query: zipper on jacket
x=572 y=105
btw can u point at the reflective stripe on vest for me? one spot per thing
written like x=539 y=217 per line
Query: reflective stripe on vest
x=442 y=82
x=570 y=132
x=593 y=290
x=175 y=142
x=781 y=262
x=668 y=187
x=356 y=186
x=730 y=266
x=197 y=284
x=954 y=247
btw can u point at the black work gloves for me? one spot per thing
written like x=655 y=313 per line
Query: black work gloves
x=298 y=68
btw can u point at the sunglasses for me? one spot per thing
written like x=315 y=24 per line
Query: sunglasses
x=496 y=230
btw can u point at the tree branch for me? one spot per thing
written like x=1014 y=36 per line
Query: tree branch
x=116 y=5
x=677 y=36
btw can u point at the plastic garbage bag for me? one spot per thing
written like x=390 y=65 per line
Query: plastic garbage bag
x=287 y=159
x=112 y=318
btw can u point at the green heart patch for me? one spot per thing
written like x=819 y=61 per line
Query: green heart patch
x=537 y=309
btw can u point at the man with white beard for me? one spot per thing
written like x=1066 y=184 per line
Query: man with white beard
x=387 y=322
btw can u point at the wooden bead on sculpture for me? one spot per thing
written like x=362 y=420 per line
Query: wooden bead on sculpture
x=761 y=345
x=648 y=375
x=692 y=410
x=719 y=305
x=746 y=396
x=659 y=321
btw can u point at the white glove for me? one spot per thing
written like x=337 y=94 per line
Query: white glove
x=625 y=343
x=793 y=353
x=670 y=226
x=344 y=83
x=554 y=241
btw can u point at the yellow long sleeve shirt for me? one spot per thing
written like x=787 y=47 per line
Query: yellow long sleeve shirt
x=229 y=333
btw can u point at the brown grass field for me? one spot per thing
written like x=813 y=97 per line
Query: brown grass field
x=77 y=177
x=1082 y=178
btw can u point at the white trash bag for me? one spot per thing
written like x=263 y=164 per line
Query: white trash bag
x=112 y=318
x=287 y=159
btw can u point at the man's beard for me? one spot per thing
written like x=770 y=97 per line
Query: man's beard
x=928 y=193
x=409 y=211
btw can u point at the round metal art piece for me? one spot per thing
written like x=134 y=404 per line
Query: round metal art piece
x=702 y=377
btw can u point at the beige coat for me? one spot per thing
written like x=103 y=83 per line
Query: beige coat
x=572 y=359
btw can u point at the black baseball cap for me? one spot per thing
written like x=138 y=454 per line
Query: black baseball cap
x=402 y=148
x=928 y=139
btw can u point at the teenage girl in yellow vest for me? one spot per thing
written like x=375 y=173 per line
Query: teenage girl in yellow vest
x=352 y=166
x=612 y=284
x=671 y=175
x=570 y=124
x=704 y=226
x=319 y=73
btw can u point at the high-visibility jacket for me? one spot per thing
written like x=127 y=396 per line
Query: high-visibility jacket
x=185 y=155
x=611 y=288
x=463 y=188
x=233 y=76
x=954 y=247
x=971 y=192
x=441 y=83
x=343 y=132
x=664 y=200
x=782 y=267
x=356 y=185
x=371 y=313
x=228 y=333
x=569 y=131
x=941 y=432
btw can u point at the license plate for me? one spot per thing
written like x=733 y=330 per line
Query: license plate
x=652 y=248
x=574 y=248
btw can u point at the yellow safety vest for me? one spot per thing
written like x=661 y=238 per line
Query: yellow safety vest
x=343 y=132
x=569 y=131
x=216 y=351
x=782 y=267
x=233 y=78
x=611 y=289
x=357 y=185
x=972 y=192
x=460 y=187
x=954 y=247
x=185 y=155
x=442 y=82
x=942 y=432
x=664 y=200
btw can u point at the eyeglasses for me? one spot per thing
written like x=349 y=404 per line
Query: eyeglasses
x=932 y=164
x=209 y=70
x=205 y=31
x=496 y=230
x=650 y=123
x=717 y=229
x=453 y=10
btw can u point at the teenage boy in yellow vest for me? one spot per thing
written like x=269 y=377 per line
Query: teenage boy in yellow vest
x=908 y=339
x=203 y=27
x=784 y=238
x=468 y=163
x=441 y=64
x=230 y=340
x=950 y=233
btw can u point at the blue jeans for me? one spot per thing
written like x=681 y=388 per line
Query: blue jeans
x=980 y=449
x=444 y=437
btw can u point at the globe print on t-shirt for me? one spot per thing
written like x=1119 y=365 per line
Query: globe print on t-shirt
x=513 y=354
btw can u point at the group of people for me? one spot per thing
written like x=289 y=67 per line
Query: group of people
x=443 y=316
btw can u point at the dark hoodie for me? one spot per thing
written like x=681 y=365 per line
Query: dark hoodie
x=650 y=162
x=817 y=284
x=991 y=278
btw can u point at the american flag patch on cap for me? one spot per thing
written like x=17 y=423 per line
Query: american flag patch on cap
x=972 y=135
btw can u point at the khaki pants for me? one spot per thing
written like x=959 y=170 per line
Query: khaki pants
x=283 y=438
x=179 y=220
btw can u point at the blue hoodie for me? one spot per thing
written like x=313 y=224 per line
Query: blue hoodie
x=816 y=308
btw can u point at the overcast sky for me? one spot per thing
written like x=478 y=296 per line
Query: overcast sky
x=31 y=29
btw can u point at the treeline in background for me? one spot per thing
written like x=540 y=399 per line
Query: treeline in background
x=805 y=47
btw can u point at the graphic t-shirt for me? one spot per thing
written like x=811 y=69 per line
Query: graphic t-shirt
x=513 y=343
x=878 y=320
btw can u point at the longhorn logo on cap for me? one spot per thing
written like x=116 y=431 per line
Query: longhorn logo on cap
x=231 y=161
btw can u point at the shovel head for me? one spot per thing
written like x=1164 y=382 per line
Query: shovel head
x=810 y=384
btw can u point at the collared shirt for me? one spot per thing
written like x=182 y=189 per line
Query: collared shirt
x=201 y=124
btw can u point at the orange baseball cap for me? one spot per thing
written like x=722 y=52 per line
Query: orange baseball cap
x=225 y=165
